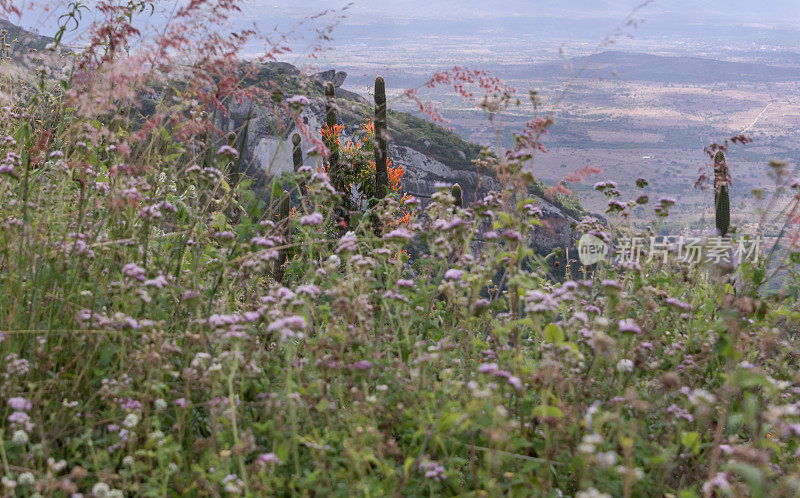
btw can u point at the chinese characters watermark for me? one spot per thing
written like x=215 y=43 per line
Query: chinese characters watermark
x=670 y=248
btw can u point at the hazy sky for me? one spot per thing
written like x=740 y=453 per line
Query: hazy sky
x=768 y=12
x=391 y=22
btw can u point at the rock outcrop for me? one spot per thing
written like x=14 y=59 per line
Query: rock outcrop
x=266 y=154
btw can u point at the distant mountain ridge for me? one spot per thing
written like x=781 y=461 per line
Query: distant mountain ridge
x=647 y=67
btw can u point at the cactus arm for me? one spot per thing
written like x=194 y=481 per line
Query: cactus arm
x=283 y=219
x=331 y=120
x=381 y=170
x=297 y=153
x=456 y=192
x=722 y=201
x=723 y=211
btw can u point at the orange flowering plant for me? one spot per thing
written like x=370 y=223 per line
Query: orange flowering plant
x=356 y=170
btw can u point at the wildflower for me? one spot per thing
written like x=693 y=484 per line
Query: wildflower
x=227 y=150
x=720 y=480
x=432 y=470
x=453 y=274
x=269 y=459
x=8 y=483
x=101 y=489
x=405 y=283
x=19 y=404
x=19 y=437
x=678 y=304
x=591 y=493
x=134 y=271
x=611 y=284
x=131 y=420
x=159 y=282
x=479 y=305
x=311 y=219
x=361 y=365
x=26 y=479
x=614 y=205
x=487 y=367
x=606 y=459
x=160 y=405
x=679 y=413
x=398 y=234
x=348 y=242
x=298 y=100
x=625 y=365
x=628 y=325
x=290 y=327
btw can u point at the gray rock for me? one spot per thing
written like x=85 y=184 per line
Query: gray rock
x=335 y=77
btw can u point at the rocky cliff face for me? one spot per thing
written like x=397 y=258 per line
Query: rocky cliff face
x=267 y=154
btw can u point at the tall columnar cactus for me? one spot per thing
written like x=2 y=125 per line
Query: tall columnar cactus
x=283 y=222
x=722 y=202
x=381 y=170
x=297 y=154
x=242 y=146
x=232 y=143
x=455 y=191
x=331 y=120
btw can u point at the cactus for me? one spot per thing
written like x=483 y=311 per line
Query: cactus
x=455 y=191
x=722 y=203
x=331 y=120
x=242 y=145
x=232 y=169
x=297 y=154
x=283 y=219
x=381 y=171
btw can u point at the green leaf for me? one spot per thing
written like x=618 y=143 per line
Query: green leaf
x=553 y=333
x=322 y=405
x=548 y=411
x=691 y=440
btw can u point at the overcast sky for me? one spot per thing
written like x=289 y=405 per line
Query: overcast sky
x=770 y=22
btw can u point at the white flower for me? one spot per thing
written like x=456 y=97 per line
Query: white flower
x=625 y=365
x=591 y=493
x=8 y=483
x=26 y=479
x=56 y=467
x=160 y=405
x=131 y=420
x=606 y=459
x=701 y=397
x=100 y=490
x=19 y=437
x=128 y=461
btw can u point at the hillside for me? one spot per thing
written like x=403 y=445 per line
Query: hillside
x=429 y=153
